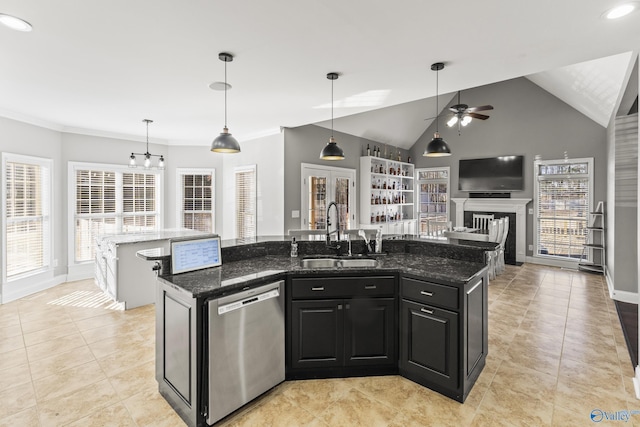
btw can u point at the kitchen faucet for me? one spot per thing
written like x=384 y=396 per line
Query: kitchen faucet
x=362 y=234
x=337 y=230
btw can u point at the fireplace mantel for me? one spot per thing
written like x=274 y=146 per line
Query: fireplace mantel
x=517 y=206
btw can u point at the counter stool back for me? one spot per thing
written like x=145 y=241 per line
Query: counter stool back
x=481 y=221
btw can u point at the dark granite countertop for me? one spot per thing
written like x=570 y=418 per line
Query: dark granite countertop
x=235 y=275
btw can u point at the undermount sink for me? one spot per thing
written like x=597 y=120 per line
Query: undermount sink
x=337 y=262
x=318 y=263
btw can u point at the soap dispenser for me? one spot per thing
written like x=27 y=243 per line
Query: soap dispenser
x=294 y=248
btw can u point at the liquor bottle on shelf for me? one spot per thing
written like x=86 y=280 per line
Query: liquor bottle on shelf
x=368 y=150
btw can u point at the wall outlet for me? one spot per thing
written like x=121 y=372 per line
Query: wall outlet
x=531 y=248
x=295 y=214
x=55 y=262
x=530 y=211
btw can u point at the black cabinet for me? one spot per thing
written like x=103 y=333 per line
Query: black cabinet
x=444 y=334
x=341 y=325
x=317 y=333
x=429 y=343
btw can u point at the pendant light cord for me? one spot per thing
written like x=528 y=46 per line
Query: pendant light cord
x=437 y=109
x=225 y=93
x=147 y=136
x=332 y=108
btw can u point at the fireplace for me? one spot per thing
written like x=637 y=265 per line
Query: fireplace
x=517 y=237
x=510 y=244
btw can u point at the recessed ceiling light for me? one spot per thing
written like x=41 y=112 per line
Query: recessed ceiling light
x=620 y=11
x=15 y=23
x=219 y=85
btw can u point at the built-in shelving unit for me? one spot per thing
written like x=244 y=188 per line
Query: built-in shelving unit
x=387 y=195
x=593 y=251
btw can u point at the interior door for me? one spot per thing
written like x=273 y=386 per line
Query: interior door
x=322 y=185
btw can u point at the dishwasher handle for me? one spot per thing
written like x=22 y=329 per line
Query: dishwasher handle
x=250 y=300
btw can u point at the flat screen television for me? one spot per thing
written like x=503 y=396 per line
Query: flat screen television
x=493 y=174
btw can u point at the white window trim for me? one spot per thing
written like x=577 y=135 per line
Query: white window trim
x=45 y=272
x=180 y=172
x=71 y=202
x=551 y=259
x=240 y=169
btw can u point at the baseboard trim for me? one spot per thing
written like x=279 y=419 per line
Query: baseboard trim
x=622 y=296
x=80 y=272
x=12 y=293
x=572 y=265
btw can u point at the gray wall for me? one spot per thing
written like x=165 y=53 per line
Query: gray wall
x=303 y=145
x=526 y=120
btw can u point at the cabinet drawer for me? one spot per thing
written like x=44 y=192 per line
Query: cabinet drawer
x=342 y=287
x=430 y=293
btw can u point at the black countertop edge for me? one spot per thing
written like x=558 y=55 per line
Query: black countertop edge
x=234 y=276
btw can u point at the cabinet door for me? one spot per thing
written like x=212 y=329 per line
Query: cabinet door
x=317 y=333
x=429 y=343
x=370 y=337
x=476 y=318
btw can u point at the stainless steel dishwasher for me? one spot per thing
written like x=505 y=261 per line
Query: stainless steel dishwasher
x=246 y=347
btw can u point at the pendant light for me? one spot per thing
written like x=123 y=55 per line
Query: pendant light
x=437 y=147
x=225 y=142
x=332 y=151
x=147 y=155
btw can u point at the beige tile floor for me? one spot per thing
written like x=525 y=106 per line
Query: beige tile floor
x=556 y=352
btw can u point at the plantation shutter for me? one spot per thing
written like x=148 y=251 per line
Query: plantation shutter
x=246 y=203
x=27 y=217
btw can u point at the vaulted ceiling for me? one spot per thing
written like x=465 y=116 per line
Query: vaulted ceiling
x=101 y=67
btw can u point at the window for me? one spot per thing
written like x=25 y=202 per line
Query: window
x=322 y=185
x=433 y=187
x=110 y=199
x=27 y=222
x=195 y=188
x=564 y=195
x=246 y=195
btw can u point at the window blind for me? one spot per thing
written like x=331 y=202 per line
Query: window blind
x=111 y=201
x=27 y=201
x=197 y=201
x=563 y=202
x=246 y=203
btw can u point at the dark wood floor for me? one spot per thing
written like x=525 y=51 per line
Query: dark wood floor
x=628 y=314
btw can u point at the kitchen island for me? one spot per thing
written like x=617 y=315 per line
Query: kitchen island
x=420 y=311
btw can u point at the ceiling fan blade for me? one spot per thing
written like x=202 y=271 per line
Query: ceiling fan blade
x=480 y=108
x=477 y=116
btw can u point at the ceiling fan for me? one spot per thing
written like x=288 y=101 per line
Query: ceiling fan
x=462 y=114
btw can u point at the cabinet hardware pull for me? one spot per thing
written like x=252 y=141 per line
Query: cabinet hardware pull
x=318 y=288
x=369 y=286
x=339 y=306
x=429 y=294
x=474 y=288
x=424 y=310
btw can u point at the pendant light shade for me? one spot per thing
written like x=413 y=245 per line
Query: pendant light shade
x=437 y=147
x=225 y=142
x=332 y=151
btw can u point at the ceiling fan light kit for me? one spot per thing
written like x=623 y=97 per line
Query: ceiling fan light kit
x=437 y=147
x=225 y=142
x=332 y=150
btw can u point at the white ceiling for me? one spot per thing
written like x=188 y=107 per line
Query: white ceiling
x=101 y=67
